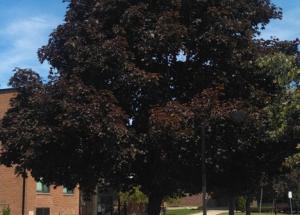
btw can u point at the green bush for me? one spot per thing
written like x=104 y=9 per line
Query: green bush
x=174 y=201
x=241 y=204
x=135 y=196
x=135 y=201
x=5 y=211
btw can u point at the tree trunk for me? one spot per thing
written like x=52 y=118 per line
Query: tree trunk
x=231 y=205
x=154 y=204
x=125 y=208
x=248 y=203
x=119 y=205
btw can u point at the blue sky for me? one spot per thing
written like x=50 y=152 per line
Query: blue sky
x=26 y=24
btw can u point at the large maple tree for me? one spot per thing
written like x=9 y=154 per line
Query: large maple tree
x=131 y=84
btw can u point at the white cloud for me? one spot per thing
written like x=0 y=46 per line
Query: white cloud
x=286 y=29
x=20 y=42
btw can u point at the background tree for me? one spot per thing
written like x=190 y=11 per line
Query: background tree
x=283 y=111
x=246 y=153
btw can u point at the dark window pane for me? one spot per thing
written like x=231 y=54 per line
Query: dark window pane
x=42 y=211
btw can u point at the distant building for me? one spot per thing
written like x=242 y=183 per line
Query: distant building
x=101 y=203
x=25 y=194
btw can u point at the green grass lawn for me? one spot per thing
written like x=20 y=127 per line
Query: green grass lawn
x=240 y=213
x=182 y=211
x=192 y=211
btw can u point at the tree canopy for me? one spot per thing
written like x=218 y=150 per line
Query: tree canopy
x=131 y=84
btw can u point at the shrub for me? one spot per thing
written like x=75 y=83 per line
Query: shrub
x=135 y=201
x=174 y=201
x=6 y=211
x=241 y=204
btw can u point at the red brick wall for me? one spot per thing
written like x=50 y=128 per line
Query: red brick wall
x=10 y=190
x=11 y=185
x=187 y=201
x=5 y=97
x=11 y=195
x=58 y=202
x=192 y=201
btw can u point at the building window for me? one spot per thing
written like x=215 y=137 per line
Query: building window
x=42 y=211
x=67 y=191
x=42 y=188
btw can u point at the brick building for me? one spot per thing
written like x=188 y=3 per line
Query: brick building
x=35 y=198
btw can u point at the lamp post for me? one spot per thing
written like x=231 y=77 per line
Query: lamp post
x=23 y=194
x=238 y=117
x=290 y=195
x=203 y=169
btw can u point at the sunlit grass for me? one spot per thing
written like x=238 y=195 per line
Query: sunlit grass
x=182 y=211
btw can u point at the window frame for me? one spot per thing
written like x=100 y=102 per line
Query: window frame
x=42 y=211
x=44 y=188
x=66 y=191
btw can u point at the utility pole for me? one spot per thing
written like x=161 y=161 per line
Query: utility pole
x=261 y=197
x=23 y=193
x=203 y=168
x=290 y=195
x=291 y=206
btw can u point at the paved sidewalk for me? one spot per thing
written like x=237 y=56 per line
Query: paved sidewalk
x=184 y=207
x=212 y=212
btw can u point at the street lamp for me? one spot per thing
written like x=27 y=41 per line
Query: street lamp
x=203 y=168
x=237 y=116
